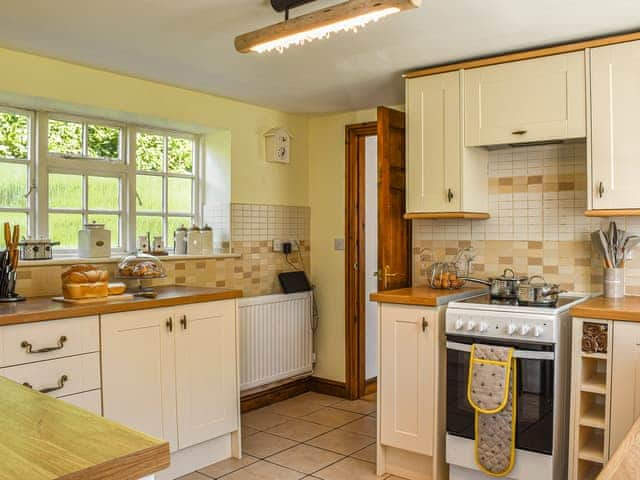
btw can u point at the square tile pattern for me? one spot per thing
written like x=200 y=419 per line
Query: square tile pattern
x=309 y=436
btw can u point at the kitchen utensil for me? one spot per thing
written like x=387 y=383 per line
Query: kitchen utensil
x=604 y=248
x=94 y=241
x=540 y=292
x=504 y=286
x=33 y=249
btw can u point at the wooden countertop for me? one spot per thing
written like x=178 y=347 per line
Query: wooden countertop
x=625 y=462
x=44 y=438
x=424 y=296
x=40 y=309
x=627 y=309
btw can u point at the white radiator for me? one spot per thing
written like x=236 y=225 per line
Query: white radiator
x=276 y=341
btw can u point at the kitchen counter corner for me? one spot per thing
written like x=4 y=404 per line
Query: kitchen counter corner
x=625 y=309
x=424 y=296
x=45 y=439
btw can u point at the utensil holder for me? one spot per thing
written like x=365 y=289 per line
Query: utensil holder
x=614 y=282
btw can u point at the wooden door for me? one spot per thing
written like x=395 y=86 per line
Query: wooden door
x=407 y=377
x=625 y=381
x=138 y=374
x=615 y=102
x=206 y=372
x=526 y=101
x=433 y=144
x=394 y=232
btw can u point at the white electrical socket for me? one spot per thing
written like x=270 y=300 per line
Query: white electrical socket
x=277 y=245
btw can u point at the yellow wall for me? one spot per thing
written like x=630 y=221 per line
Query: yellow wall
x=253 y=179
x=327 y=200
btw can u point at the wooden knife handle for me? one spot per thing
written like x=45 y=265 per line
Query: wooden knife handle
x=16 y=236
x=7 y=235
x=14 y=259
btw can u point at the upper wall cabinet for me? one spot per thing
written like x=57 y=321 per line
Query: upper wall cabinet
x=526 y=101
x=443 y=177
x=615 y=103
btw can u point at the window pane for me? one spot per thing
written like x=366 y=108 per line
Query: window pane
x=112 y=223
x=152 y=225
x=13 y=185
x=64 y=227
x=149 y=152
x=173 y=223
x=179 y=195
x=14 y=135
x=65 y=137
x=149 y=193
x=17 y=218
x=65 y=191
x=180 y=155
x=103 y=142
x=104 y=193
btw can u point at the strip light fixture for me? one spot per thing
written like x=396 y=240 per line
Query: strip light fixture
x=347 y=16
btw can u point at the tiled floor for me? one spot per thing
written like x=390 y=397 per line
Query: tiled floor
x=309 y=436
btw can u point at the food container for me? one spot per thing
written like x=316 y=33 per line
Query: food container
x=206 y=236
x=180 y=241
x=94 y=241
x=452 y=274
x=194 y=241
x=504 y=287
x=537 y=291
x=140 y=266
x=31 y=249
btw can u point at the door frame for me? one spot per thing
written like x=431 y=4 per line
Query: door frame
x=355 y=321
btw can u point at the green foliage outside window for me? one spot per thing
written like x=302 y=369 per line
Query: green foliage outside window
x=14 y=136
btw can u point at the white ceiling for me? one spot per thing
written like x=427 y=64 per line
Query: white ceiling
x=189 y=43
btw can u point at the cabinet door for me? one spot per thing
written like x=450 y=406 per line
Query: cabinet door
x=526 y=101
x=433 y=143
x=138 y=372
x=206 y=372
x=407 y=386
x=625 y=381
x=615 y=102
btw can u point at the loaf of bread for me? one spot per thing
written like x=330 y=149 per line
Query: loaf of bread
x=85 y=281
x=117 y=288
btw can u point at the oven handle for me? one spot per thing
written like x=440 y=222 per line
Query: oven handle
x=525 y=354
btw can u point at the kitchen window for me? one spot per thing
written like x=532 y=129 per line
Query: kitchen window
x=135 y=180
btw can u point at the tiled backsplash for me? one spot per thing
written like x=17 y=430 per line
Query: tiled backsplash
x=537 y=199
x=254 y=272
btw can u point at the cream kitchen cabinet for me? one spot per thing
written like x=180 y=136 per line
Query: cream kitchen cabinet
x=527 y=101
x=411 y=391
x=615 y=102
x=442 y=175
x=172 y=372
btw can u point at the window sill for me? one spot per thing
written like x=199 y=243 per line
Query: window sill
x=68 y=260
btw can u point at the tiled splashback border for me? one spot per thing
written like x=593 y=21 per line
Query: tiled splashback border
x=255 y=272
x=537 y=199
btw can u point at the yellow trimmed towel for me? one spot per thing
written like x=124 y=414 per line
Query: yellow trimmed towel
x=492 y=394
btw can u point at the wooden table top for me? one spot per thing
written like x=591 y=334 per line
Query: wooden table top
x=43 y=439
x=40 y=309
x=424 y=296
x=625 y=462
x=626 y=309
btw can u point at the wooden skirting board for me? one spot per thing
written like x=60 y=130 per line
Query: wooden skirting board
x=444 y=215
x=278 y=393
x=526 y=54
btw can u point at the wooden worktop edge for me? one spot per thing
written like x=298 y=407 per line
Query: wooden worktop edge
x=600 y=313
x=381 y=297
x=134 y=466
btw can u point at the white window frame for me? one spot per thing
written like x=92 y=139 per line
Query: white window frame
x=30 y=208
x=165 y=174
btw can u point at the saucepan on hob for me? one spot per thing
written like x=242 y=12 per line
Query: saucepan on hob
x=537 y=291
x=504 y=287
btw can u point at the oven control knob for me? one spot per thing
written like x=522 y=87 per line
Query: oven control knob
x=537 y=331
x=459 y=324
x=483 y=327
x=471 y=325
x=524 y=329
x=511 y=329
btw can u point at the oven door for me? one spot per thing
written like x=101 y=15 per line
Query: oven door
x=535 y=384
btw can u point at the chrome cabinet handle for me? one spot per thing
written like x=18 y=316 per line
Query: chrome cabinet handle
x=29 y=348
x=425 y=324
x=449 y=195
x=169 y=324
x=518 y=132
x=183 y=322
x=63 y=379
x=600 y=189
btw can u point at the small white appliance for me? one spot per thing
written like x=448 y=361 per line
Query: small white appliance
x=541 y=337
x=94 y=241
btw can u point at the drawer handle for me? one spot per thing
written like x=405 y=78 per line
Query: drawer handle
x=450 y=195
x=183 y=322
x=600 y=189
x=26 y=345
x=518 y=132
x=425 y=324
x=61 y=382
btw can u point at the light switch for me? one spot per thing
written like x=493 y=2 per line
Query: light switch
x=338 y=244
